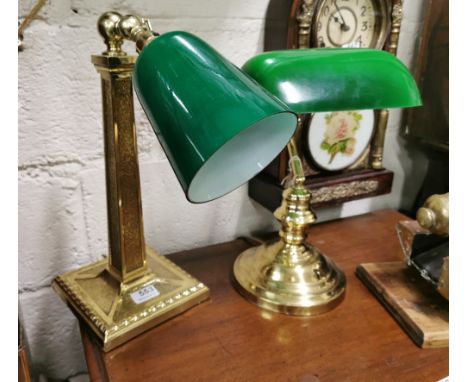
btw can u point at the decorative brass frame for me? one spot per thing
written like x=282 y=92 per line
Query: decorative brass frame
x=106 y=294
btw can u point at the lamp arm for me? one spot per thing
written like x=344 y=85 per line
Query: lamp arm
x=295 y=162
x=115 y=28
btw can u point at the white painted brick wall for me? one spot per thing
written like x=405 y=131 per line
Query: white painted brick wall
x=62 y=222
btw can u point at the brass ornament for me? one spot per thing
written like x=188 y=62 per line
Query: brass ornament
x=344 y=190
x=397 y=16
x=432 y=219
x=304 y=19
x=434 y=214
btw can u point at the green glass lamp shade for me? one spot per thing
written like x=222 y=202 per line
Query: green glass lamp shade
x=317 y=80
x=217 y=126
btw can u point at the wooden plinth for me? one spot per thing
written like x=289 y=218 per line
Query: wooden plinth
x=412 y=301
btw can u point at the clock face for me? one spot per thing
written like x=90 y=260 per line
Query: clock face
x=351 y=23
x=336 y=140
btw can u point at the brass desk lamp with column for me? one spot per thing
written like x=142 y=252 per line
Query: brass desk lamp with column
x=218 y=129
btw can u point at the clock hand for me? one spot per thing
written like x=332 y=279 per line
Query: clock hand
x=337 y=19
x=343 y=26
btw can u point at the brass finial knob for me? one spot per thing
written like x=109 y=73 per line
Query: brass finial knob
x=108 y=28
x=426 y=218
x=434 y=215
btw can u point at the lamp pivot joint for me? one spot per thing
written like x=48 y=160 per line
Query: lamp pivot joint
x=115 y=28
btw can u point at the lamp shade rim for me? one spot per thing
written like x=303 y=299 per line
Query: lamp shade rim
x=216 y=125
x=242 y=157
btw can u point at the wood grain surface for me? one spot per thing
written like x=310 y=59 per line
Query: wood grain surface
x=229 y=339
x=268 y=191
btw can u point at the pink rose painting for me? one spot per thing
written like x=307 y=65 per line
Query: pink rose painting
x=339 y=135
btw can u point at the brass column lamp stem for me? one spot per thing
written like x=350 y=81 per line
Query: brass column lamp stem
x=124 y=212
x=135 y=288
x=289 y=275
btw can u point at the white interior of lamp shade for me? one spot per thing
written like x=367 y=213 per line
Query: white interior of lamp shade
x=242 y=157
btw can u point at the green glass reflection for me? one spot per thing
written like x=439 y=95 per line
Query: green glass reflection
x=216 y=125
x=315 y=80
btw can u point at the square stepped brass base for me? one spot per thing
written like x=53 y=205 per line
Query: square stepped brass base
x=118 y=312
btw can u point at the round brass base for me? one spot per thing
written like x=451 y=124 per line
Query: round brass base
x=311 y=285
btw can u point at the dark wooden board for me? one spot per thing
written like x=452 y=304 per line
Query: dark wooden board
x=267 y=190
x=412 y=301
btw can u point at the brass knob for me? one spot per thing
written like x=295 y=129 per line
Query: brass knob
x=434 y=215
x=107 y=27
x=426 y=218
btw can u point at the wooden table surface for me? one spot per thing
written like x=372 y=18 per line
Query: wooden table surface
x=229 y=339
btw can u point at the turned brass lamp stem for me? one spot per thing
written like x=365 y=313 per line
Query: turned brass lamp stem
x=294 y=214
x=289 y=275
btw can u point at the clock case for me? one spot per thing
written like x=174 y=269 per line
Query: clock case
x=364 y=178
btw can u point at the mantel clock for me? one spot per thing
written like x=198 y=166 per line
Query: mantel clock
x=341 y=151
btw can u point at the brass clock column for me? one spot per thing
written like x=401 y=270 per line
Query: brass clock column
x=135 y=288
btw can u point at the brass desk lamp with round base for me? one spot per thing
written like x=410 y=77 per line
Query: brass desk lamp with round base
x=289 y=275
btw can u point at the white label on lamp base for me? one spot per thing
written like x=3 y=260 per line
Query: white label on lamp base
x=144 y=294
